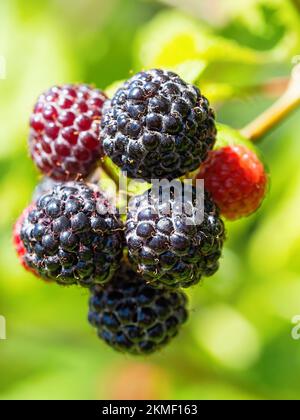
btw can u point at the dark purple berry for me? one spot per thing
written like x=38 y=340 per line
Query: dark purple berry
x=158 y=126
x=166 y=243
x=67 y=241
x=133 y=317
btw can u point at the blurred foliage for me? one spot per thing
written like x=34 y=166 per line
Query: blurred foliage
x=213 y=59
x=237 y=344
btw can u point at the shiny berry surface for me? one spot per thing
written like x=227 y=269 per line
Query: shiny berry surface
x=18 y=244
x=169 y=244
x=133 y=317
x=72 y=236
x=158 y=126
x=64 y=135
x=236 y=180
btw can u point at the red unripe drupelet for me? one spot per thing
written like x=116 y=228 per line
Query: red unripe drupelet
x=64 y=136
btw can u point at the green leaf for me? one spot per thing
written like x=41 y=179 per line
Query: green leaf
x=172 y=38
x=264 y=25
x=220 y=67
x=112 y=89
x=228 y=136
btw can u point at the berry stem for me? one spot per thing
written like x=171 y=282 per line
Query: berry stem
x=281 y=109
x=272 y=88
x=107 y=169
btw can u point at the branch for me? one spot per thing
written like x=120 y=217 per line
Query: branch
x=278 y=112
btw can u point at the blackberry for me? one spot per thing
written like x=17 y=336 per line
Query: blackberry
x=43 y=187
x=134 y=317
x=157 y=126
x=168 y=243
x=71 y=236
x=17 y=242
x=64 y=136
x=47 y=184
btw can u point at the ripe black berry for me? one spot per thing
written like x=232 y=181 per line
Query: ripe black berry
x=18 y=244
x=66 y=238
x=158 y=126
x=134 y=317
x=166 y=242
x=44 y=186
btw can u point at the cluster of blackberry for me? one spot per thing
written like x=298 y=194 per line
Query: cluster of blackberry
x=155 y=127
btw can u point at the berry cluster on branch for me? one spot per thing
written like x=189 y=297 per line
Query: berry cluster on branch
x=156 y=126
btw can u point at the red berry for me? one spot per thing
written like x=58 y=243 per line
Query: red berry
x=236 y=179
x=19 y=246
x=64 y=137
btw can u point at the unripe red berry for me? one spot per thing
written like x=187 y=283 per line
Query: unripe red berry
x=236 y=179
x=64 y=137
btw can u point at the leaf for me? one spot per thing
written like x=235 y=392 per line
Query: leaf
x=220 y=67
x=190 y=70
x=171 y=38
x=265 y=25
x=112 y=89
x=228 y=136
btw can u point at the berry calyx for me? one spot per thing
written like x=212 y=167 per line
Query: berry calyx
x=133 y=317
x=236 y=180
x=72 y=236
x=64 y=135
x=158 y=126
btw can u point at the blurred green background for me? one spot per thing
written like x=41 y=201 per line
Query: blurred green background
x=237 y=344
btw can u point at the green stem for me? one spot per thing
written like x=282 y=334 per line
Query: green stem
x=106 y=167
x=278 y=112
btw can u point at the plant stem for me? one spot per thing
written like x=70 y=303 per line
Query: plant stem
x=109 y=171
x=284 y=106
x=273 y=88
